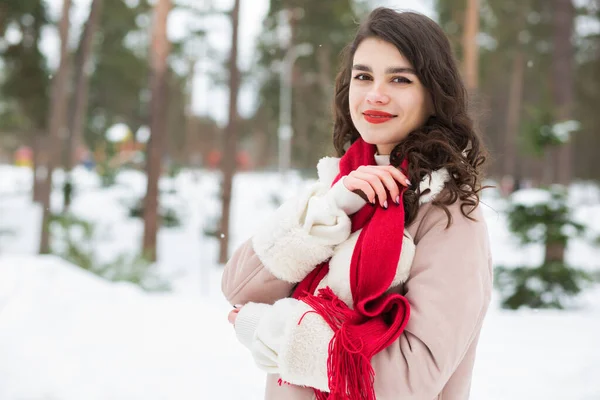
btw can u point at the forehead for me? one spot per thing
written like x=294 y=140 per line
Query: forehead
x=378 y=53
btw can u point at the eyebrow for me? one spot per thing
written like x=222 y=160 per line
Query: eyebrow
x=391 y=70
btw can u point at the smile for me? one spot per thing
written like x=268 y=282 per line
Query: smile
x=377 y=117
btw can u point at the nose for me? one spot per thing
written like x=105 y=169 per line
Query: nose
x=377 y=96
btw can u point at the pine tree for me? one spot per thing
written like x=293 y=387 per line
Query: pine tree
x=228 y=161
x=327 y=27
x=160 y=50
x=24 y=81
x=57 y=117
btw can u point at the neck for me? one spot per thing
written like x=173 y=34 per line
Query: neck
x=385 y=150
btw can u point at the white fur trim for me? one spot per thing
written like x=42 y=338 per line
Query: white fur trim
x=304 y=348
x=327 y=169
x=338 y=278
x=299 y=235
x=406 y=258
x=435 y=183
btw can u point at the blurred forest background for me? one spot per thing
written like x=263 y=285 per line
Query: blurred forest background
x=142 y=141
x=119 y=94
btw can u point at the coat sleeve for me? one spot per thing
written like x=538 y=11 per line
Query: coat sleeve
x=297 y=237
x=449 y=290
x=303 y=232
x=245 y=279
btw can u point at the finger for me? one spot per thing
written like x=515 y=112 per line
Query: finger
x=375 y=182
x=366 y=188
x=353 y=184
x=390 y=183
x=395 y=172
x=399 y=176
x=362 y=195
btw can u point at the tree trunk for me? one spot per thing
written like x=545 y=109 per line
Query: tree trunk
x=470 y=47
x=554 y=252
x=56 y=126
x=228 y=161
x=187 y=148
x=80 y=101
x=515 y=98
x=159 y=52
x=563 y=80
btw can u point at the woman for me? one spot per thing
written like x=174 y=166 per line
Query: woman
x=369 y=286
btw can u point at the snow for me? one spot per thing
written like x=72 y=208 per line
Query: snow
x=66 y=334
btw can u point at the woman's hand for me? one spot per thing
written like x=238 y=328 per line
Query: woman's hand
x=373 y=180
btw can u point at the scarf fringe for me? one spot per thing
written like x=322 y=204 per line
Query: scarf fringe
x=349 y=371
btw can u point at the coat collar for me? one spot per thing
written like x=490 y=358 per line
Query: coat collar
x=329 y=167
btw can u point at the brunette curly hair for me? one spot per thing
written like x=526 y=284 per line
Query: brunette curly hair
x=448 y=139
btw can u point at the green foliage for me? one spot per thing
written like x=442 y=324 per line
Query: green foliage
x=546 y=286
x=328 y=27
x=548 y=222
x=119 y=84
x=537 y=131
x=168 y=215
x=74 y=240
x=24 y=84
x=545 y=222
x=525 y=28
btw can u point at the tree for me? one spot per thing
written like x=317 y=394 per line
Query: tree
x=563 y=87
x=79 y=105
x=56 y=126
x=24 y=82
x=119 y=90
x=470 y=46
x=515 y=96
x=587 y=96
x=228 y=161
x=328 y=27
x=160 y=49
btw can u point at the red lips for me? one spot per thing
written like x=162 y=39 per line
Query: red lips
x=377 y=117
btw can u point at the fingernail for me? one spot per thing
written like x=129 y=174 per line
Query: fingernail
x=237 y=306
x=385 y=204
x=397 y=199
x=408 y=183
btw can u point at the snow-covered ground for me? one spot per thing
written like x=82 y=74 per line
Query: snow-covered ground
x=66 y=334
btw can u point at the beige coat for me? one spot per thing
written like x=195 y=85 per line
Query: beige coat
x=449 y=289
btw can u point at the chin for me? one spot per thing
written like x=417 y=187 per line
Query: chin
x=372 y=137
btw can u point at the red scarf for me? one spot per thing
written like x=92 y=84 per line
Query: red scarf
x=377 y=319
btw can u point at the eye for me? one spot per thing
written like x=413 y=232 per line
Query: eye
x=401 y=79
x=362 y=77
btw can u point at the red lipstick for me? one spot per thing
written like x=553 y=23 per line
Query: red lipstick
x=377 y=117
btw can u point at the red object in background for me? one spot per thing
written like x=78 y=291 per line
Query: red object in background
x=243 y=160
x=24 y=156
x=214 y=159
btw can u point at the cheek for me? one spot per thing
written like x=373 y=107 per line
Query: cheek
x=418 y=105
x=353 y=99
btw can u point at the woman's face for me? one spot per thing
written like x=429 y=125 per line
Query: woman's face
x=387 y=100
